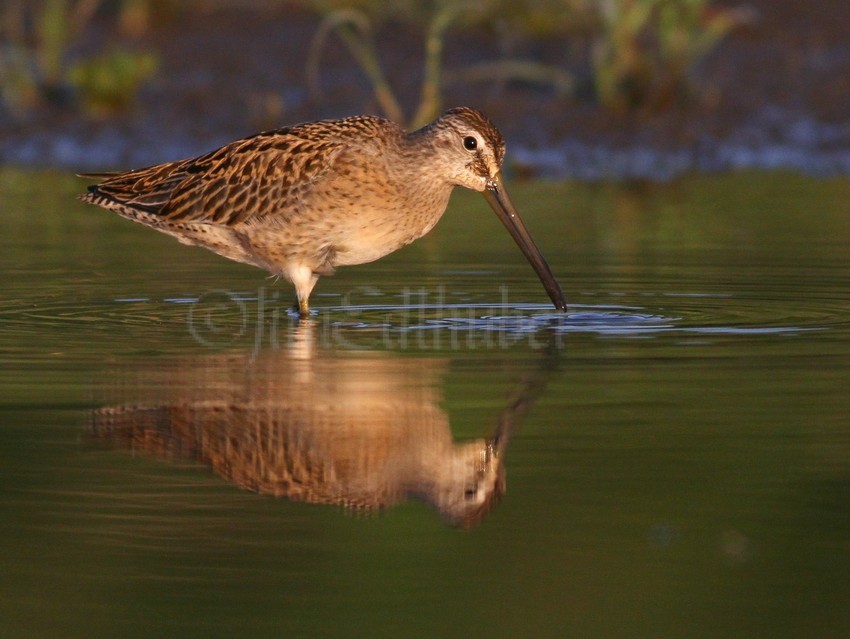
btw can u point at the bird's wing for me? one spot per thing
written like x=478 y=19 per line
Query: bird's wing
x=241 y=182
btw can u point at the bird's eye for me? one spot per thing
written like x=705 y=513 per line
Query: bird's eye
x=470 y=143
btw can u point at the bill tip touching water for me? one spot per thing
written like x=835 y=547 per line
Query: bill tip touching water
x=302 y=200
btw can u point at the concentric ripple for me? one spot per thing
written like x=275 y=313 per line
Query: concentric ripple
x=222 y=319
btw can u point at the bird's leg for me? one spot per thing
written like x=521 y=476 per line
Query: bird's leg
x=303 y=308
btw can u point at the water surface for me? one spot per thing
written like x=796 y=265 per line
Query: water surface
x=438 y=452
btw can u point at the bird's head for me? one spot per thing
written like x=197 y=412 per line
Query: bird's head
x=468 y=150
x=470 y=146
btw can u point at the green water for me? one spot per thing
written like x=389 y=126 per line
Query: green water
x=675 y=451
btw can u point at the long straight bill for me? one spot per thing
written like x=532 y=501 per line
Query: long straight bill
x=497 y=198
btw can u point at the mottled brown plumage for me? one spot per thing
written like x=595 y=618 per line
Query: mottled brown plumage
x=358 y=431
x=302 y=200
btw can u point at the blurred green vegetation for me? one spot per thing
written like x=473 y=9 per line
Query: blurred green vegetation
x=355 y=23
x=641 y=54
x=645 y=51
x=634 y=55
x=42 y=58
x=109 y=82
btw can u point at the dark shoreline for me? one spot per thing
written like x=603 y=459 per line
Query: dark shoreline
x=775 y=96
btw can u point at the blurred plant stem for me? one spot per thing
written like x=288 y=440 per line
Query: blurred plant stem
x=620 y=68
x=562 y=82
x=355 y=28
x=688 y=30
x=431 y=96
x=645 y=51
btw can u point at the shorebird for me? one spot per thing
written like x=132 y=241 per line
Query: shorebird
x=302 y=200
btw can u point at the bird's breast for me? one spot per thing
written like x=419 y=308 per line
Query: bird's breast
x=376 y=218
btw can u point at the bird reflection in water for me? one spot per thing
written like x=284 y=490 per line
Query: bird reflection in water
x=364 y=431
